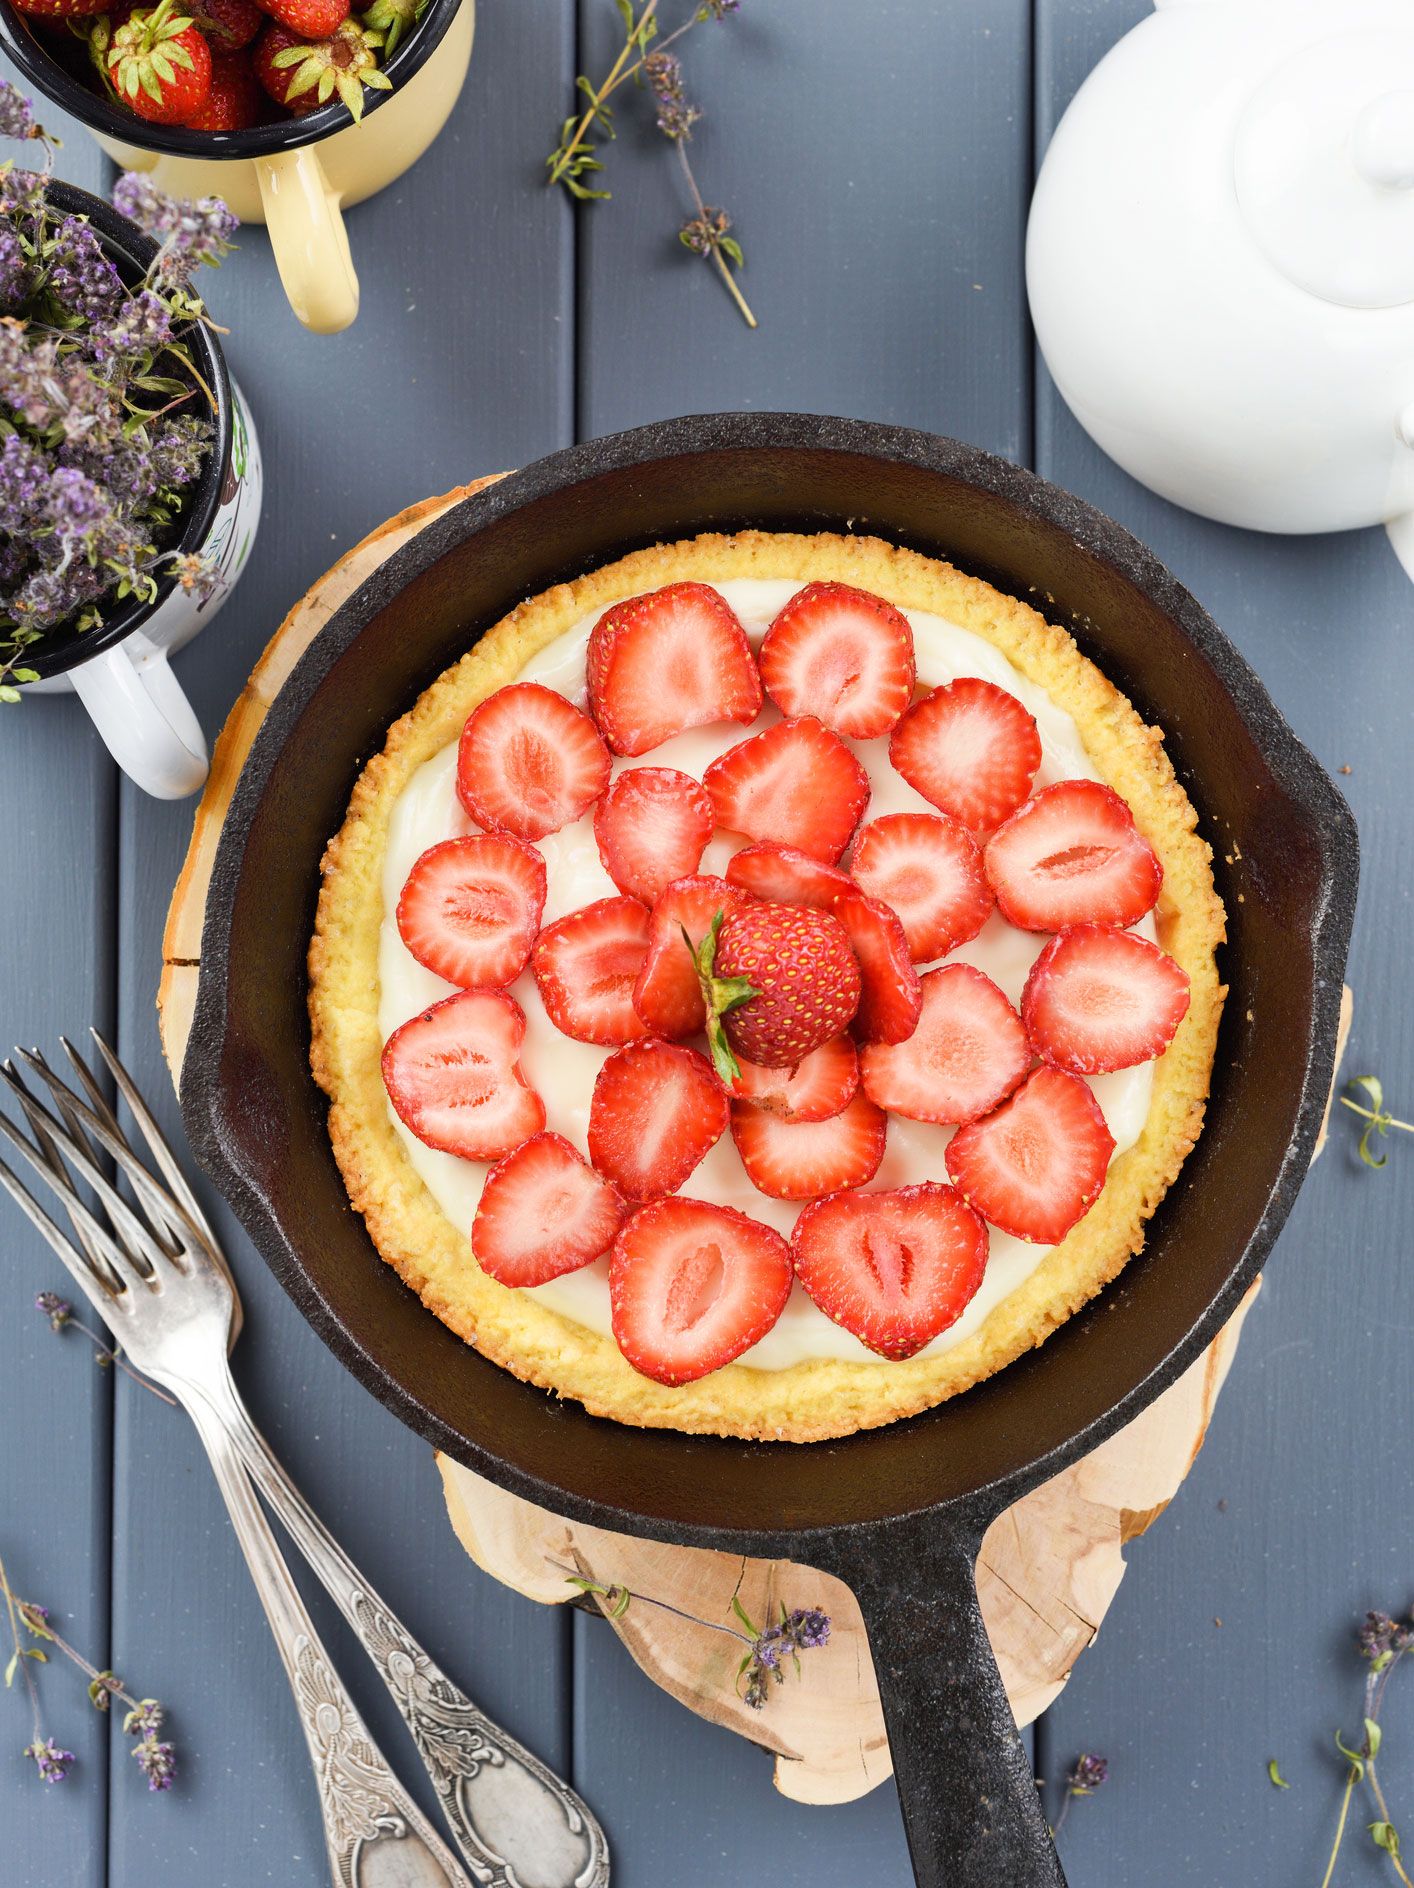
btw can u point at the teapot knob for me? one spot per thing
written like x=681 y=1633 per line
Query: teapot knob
x=1382 y=144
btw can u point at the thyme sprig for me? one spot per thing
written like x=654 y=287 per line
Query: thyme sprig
x=577 y=156
x=30 y=1631
x=1377 y=1118
x=767 y=1648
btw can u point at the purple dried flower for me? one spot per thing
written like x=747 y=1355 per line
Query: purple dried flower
x=1382 y=1638
x=180 y=449
x=58 y=1310
x=676 y=116
x=190 y=233
x=22 y=192
x=142 y=326
x=16 y=113
x=81 y=277
x=702 y=234
x=145 y=1718
x=808 y=1627
x=196 y=573
x=27 y=368
x=16 y=272
x=53 y=1763
x=158 y=1763
x=719 y=9
x=1087 y=1774
x=24 y=481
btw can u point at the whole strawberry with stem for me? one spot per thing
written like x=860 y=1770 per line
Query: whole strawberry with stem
x=777 y=982
x=393 y=19
x=159 y=64
x=301 y=73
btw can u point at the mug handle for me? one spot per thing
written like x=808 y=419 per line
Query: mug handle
x=146 y=721
x=309 y=239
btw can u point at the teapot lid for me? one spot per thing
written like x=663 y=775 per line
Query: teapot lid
x=1324 y=168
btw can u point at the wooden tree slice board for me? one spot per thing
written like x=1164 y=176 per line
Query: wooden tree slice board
x=1049 y=1567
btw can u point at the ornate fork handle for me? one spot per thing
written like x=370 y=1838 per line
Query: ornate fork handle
x=362 y=1802
x=514 y=1820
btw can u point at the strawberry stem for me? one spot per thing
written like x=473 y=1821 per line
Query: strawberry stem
x=720 y=995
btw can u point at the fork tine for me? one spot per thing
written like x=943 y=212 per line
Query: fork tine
x=140 y=1246
x=34 y=1118
x=152 y=1134
x=100 y=1295
x=101 y=1128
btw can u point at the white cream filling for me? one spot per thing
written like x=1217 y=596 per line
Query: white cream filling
x=564 y=1071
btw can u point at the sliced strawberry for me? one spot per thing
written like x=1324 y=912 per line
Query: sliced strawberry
x=968 y=1052
x=783 y=876
x=893 y=1268
x=800 y=1160
x=656 y=1110
x=668 y=994
x=1073 y=855
x=650 y=828
x=813 y=1090
x=1037 y=1165
x=891 y=998
x=1099 y=999
x=586 y=966
x=971 y=749
x=692 y=1286
x=673 y=659
x=543 y=1212
x=796 y=784
x=529 y=762
x=928 y=870
x=454 y=1077
x=842 y=655
x=471 y=908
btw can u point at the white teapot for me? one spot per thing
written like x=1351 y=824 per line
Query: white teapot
x=1220 y=260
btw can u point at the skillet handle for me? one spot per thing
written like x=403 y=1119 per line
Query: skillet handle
x=967 y=1788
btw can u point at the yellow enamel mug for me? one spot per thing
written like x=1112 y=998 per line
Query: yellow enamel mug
x=297 y=176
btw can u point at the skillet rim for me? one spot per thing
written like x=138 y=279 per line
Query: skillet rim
x=1299 y=776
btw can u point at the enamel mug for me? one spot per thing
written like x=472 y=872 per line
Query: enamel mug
x=119 y=668
x=296 y=176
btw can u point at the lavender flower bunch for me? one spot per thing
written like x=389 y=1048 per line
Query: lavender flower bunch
x=105 y=421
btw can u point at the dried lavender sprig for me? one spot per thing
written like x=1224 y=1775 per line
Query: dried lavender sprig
x=60 y=1314
x=1085 y=1776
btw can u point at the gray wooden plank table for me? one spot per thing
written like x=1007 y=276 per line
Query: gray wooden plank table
x=878 y=162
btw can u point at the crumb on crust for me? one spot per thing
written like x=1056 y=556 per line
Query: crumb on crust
x=823 y=1397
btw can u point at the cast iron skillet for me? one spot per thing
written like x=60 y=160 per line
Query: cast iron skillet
x=897 y=1513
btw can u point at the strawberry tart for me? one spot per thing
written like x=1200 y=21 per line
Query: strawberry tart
x=765 y=986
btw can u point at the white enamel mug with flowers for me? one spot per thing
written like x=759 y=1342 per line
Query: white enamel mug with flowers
x=119 y=669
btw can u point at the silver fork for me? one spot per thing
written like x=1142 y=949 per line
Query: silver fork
x=155 y=1273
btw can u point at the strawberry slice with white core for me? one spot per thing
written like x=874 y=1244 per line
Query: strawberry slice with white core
x=651 y=827
x=842 y=655
x=692 y=1286
x=970 y=749
x=668 y=993
x=656 y=1110
x=471 y=908
x=586 y=965
x=529 y=762
x=1035 y=1166
x=454 y=1078
x=800 y=1160
x=1073 y=855
x=543 y=1212
x=927 y=869
x=813 y=1090
x=783 y=876
x=676 y=658
x=897 y=1268
x=968 y=1052
x=795 y=784
x=1099 y=999
x=890 y=998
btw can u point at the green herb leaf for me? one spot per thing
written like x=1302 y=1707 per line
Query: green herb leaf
x=744 y=1616
x=1278 y=1781
x=1373 y=1735
x=1385 y=1836
x=1355 y=1758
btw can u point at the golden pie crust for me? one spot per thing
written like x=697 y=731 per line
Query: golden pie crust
x=823 y=1397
